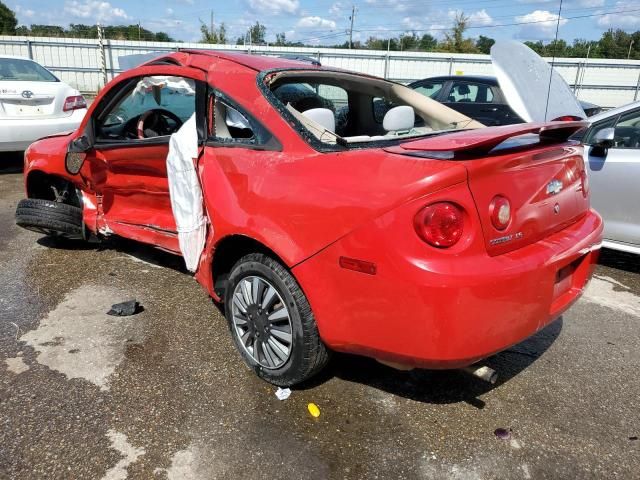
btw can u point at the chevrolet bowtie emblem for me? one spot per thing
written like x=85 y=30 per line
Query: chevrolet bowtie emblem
x=554 y=187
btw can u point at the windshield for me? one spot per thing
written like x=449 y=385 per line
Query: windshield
x=12 y=69
x=349 y=109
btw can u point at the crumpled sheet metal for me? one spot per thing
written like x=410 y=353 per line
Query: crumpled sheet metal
x=186 y=194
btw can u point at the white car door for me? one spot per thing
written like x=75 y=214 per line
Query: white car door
x=614 y=177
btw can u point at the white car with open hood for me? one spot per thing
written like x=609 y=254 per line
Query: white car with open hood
x=34 y=103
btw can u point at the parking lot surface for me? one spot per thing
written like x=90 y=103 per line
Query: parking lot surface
x=163 y=394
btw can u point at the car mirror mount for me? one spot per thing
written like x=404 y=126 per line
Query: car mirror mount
x=76 y=154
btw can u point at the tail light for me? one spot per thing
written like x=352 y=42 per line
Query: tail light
x=567 y=118
x=500 y=212
x=440 y=224
x=584 y=181
x=75 y=102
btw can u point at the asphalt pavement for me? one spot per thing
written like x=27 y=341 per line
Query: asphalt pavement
x=164 y=395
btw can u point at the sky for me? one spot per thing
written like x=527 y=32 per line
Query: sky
x=326 y=22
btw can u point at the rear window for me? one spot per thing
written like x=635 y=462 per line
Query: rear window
x=12 y=69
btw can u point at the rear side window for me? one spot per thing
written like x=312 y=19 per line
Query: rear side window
x=18 y=69
x=430 y=89
x=462 y=92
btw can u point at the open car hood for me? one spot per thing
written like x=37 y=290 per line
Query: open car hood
x=524 y=79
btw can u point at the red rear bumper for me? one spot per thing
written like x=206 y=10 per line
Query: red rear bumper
x=432 y=309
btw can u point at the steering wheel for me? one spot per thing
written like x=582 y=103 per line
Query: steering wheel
x=156 y=120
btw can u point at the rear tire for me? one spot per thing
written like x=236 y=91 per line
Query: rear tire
x=51 y=218
x=303 y=354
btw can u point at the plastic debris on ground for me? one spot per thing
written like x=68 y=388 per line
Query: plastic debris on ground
x=313 y=410
x=125 y=309
x=503 y=433
x=283 y=393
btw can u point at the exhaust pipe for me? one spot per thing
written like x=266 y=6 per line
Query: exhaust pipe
x=483 y=373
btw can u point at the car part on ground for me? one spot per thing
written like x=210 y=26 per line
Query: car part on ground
x=330 y=219
x=34 y=104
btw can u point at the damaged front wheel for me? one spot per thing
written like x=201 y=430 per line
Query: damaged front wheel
x=51 y=218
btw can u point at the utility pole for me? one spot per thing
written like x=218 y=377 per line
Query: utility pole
x=211 y=26
x=139 y=28
x=629 y=54
x=352 y=17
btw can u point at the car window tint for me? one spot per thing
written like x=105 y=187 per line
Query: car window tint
x=627 y=130
x=18 y=69
x=430 y=89
x=175 y=95
x=463 y=92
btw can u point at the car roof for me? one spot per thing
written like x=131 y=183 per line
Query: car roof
x=258 y=63
x=470 y=78
x=614 y=111
x=2 y=55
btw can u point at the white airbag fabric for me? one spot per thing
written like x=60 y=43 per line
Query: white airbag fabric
x=186 y=194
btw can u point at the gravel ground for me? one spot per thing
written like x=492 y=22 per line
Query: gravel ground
x=163 y=394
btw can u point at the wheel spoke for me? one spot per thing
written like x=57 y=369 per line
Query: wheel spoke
x=239 y=302
x=246 y=338
x=282 y=355
x=281 y=314
x=269 y=297
x=280 y=335
x=256 y=289
x=266 y=349
x=246 y=291
x=239 y=320
x=257 y=349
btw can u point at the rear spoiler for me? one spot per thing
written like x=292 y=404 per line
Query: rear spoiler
x=483 y=140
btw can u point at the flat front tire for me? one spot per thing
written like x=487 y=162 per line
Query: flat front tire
x=51 y=218
x=271 y=322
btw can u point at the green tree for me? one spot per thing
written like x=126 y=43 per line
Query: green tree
x=256 y=33
x=8 y=20
x=428 y=43
x=454 y=40
x=281 y=39
x=484 y=44
x=212 y=34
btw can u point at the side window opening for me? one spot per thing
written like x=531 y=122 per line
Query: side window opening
x=154 y=106
x=229 y=123
x=431 y=89
x=627 y=130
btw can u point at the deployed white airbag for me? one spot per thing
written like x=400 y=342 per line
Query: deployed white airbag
x=185 y=192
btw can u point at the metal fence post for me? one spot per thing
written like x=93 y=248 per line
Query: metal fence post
x=103 y=63
x=577 y=80
x=450 y=65
x=635 y=95
x=386 y=65
x=29 y=49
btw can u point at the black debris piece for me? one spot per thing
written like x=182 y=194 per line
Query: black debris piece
x=125 y=309
x=633 y=438
x=503 y=433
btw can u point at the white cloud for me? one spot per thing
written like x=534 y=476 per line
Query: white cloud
x=169 y=11
x=186 y=2
x=480 y=18
x=541 y=25
x=24 y=12
x=274 y=7
x=316 y=22
x=95 y=10
x=626 y=21
x=336 y=8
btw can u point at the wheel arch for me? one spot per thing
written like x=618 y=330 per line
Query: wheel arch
x=39 y=184
x=231 y=248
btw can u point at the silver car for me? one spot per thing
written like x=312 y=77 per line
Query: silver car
x=612 y=153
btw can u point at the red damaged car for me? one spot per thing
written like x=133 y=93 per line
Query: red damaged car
x=341 y=211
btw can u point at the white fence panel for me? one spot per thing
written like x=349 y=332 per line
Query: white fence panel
x=609 y=83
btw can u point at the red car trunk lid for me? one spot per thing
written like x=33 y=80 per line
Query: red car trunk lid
x=532 y=165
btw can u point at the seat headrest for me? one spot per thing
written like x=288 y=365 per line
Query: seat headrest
x=399 y=118
x=323 y=117
x=463 y=89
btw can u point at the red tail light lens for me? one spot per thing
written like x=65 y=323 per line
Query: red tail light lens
x=500 y=212
x=440 y=224
x=74 y=103
x=566 y=118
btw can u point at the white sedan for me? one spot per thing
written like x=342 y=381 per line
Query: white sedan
x=34 y=103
